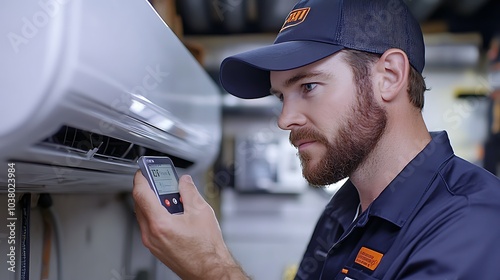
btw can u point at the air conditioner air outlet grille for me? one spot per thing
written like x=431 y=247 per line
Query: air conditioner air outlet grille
x=93 y=145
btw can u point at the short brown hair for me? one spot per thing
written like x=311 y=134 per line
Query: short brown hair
x=360 y=63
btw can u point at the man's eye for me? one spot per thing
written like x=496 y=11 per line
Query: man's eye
x=310 y=86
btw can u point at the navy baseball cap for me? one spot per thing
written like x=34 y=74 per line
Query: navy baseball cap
x=315 y=29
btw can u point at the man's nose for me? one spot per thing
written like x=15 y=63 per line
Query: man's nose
x=291 y=116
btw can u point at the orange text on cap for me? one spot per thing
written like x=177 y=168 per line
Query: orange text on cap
x=295 y=17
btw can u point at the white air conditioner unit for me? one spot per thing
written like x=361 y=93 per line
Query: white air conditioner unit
x=89 y=85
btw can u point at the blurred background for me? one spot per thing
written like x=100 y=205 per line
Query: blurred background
x=241 y=161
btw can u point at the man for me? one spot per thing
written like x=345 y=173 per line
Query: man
x=349 y=76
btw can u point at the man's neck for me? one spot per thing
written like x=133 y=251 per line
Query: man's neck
x=396 y=148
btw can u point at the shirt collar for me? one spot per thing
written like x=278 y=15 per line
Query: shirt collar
x=398 y=200
x=343 y=205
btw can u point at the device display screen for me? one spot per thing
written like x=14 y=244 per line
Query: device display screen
x=164 y=178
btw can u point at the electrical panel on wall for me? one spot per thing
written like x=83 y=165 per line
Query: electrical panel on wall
x=267 y=163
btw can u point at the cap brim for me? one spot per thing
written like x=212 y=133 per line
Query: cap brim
x=246 y=75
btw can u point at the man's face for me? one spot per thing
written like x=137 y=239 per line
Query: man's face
x=334 y=122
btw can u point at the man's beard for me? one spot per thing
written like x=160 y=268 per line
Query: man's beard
x=357 y=136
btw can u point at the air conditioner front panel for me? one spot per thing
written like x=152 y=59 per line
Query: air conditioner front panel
x=112 y=68
x=31 y=54
x=171 y=78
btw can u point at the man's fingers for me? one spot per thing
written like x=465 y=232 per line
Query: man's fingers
x=191 y=197
x=144 y=197
x=146 y=200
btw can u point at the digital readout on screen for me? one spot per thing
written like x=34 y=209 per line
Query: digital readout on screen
x=164 y=178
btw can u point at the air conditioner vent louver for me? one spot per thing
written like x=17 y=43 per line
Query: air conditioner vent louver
x=94 y=145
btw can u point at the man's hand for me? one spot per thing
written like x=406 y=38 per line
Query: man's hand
x=190 y=244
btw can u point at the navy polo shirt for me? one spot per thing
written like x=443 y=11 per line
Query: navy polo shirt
x=438 y=219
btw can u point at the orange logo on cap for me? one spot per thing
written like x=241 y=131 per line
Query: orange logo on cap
x=295 y=17
x=368 y=258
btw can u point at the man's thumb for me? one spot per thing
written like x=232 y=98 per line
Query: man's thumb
x=191 y=197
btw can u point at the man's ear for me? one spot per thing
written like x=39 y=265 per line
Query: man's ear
x=392 y=69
